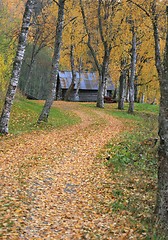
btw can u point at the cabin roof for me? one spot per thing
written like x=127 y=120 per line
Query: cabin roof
x=89 y=80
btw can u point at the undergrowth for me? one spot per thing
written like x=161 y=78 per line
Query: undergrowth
x=132 y=162
x=131 y=159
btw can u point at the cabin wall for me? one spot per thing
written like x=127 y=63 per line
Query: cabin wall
x=87 y=95
x=84 y=95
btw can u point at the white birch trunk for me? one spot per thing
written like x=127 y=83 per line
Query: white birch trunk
x=105 y=64
x=132 y=76
x=5 y=116
x=76 y=98
x=102 y=68
x=55 y=64
x=72 y=85
x=162 y=69
x=122 y=86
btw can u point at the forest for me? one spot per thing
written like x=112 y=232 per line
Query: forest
x=121 y=41
x=117 y=34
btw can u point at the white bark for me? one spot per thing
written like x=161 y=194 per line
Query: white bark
x=76 y=98
x=102 y=68
x=55 y=64
x=122 y=86
x=133 y=69
x=72 y=85
x=162 y=68
x=5 y=116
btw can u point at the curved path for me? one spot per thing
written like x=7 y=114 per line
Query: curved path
x=53 y=184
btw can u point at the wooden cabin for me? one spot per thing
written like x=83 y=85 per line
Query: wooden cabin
x=88 y=86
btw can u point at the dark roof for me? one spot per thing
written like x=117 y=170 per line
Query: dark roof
x=89 y=81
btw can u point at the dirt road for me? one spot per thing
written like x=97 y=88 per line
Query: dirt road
x=53 y=184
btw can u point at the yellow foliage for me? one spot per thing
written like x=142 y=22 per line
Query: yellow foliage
x=74 y=34
x=3 y=69
x=117 y=19
x=7 y=46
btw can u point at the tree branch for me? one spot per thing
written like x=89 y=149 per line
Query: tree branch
x=89 y=38
x=139 y=6
x=56 y=2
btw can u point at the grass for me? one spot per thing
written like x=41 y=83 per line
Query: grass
x=25 y=113
x=139 y=111
x=133 y=167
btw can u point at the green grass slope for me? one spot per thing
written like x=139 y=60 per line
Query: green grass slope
x=25 y=113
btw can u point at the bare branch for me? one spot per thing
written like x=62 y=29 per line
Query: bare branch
x=139 y=6
x=71 y=20
x=56 y=2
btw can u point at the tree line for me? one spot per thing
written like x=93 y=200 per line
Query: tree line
x=127 y=38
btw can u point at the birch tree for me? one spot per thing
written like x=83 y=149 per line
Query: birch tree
x=72 y=85
x=72 y=57
x=107 y=45
x=100 y=42
x=55 y=64
x=5 y=116
x=122 y=85
x=74 y=50
x=41 y=36
x=161 y=63
x=162 y=69
x=133 y=69
x=79 y=80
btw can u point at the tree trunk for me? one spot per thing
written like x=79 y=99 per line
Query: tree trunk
x=141 y=98
x=132 y=76
x=122 y=86
x=32 y=60
x=101 y=68
x=71 y=87
x=136 y=85
x=103 y=80
x=162 y=69
x=79 y=80
x=55 y=64
x=29 y=72
x=106 y=58
x=162 y=196
x=5 y=116
x=100 y=94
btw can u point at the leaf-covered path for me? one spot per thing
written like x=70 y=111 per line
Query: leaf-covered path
x=53 y=186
